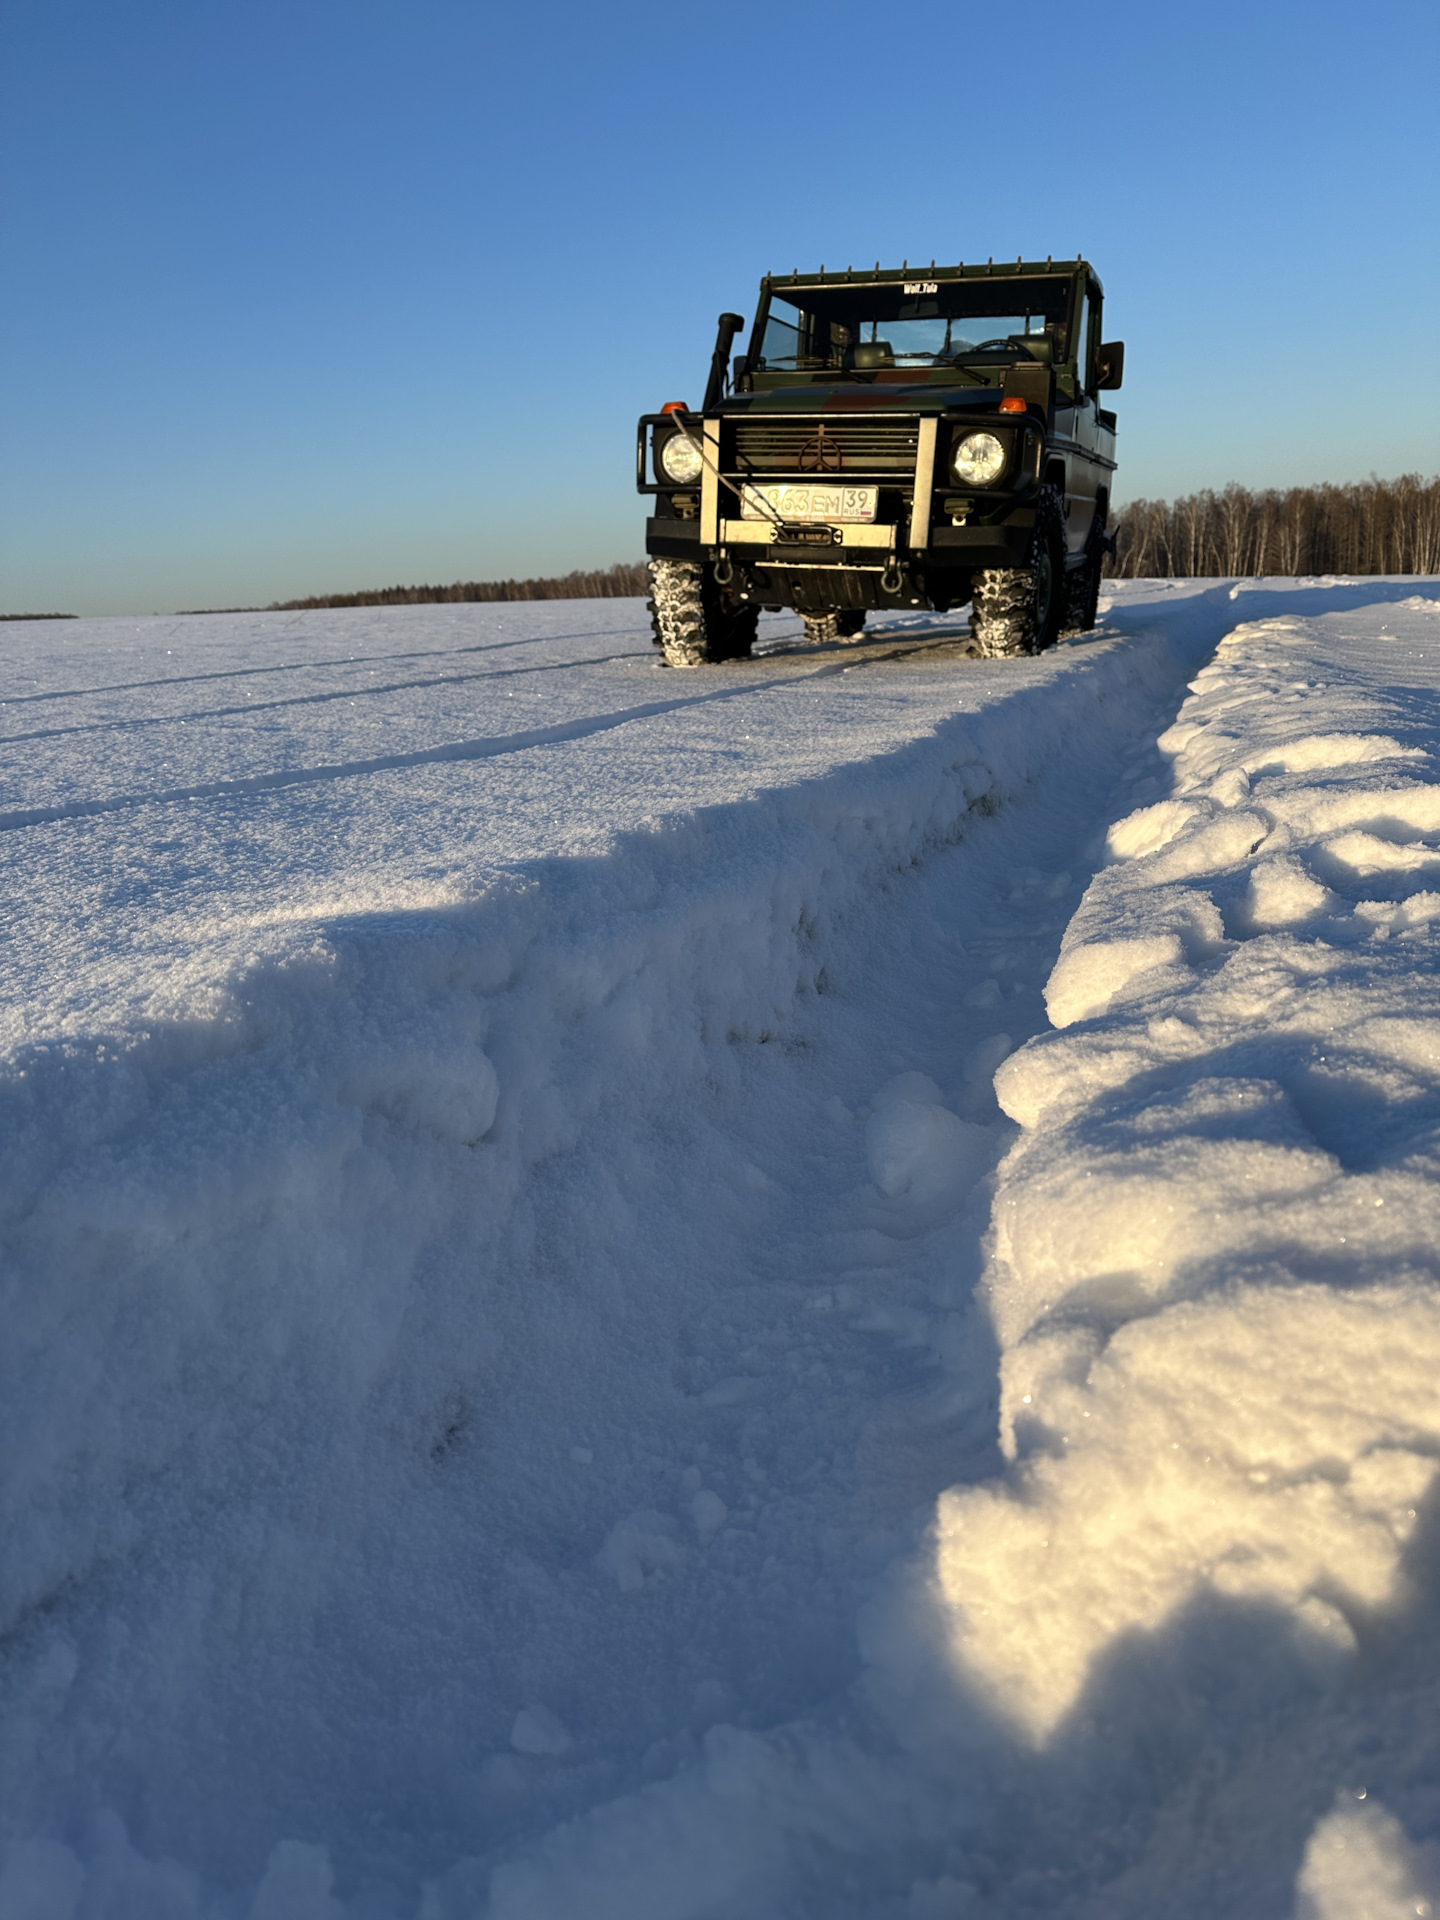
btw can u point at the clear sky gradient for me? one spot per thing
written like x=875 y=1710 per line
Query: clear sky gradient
x=310 y=295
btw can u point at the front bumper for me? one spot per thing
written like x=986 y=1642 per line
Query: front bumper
x=905 y=455
x=760 y=546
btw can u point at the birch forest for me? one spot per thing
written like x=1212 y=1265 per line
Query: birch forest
x=1372 y=526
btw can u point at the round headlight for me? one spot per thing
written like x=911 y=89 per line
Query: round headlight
x=979 y=459
x=679 y=460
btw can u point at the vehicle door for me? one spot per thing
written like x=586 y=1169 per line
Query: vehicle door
x=1091 y=460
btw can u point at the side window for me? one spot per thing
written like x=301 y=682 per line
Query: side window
x=1090 y=341
x=1077 y=343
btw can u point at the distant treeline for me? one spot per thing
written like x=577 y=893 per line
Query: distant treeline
x=623 y=581
x=1374 y=526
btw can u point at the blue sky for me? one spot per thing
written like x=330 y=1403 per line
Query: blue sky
x=302 y=296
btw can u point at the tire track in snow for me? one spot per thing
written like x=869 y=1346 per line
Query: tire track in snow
x=310 y=699
x=485 y=748
x=838 y=1375
x=301 y=666
x=851 y=657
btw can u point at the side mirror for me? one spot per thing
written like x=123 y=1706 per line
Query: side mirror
x=740 y=367
x=1112 y=365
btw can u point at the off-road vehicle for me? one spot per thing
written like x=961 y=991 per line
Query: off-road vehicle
x=918 y=437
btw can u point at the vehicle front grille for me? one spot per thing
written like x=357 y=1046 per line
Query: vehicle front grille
x=822 y=444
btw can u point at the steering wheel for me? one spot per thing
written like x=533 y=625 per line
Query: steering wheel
x=1008 y=341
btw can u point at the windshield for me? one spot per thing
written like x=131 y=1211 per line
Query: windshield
x=917 y=325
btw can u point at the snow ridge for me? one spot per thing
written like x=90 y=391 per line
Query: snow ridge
x=1216 y=1248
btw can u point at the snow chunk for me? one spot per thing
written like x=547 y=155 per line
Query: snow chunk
x=709 y=1513
x=1123 y=1229
x=1088 y=978
x=918 y=1147
x=41 y=1880
x=681 y=1848
x=297 y=1885
x=1150 y=828
x=1187 y=839
x=1282 y=894
x=1364 y=855
x=538 y=1731
x=1320 y=752
x=918 y=1087
x=1128 y=928
x=732 y=1391
x=1360 y=1865
x=1254 y=1446
x=639 y=1548
x=1210 y=846
x=452 y=1094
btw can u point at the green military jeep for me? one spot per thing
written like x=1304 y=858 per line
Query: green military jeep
x=895 y=439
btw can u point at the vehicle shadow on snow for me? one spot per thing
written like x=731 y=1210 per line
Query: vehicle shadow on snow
x=879 y=643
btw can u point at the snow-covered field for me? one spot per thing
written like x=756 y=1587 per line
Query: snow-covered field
x=809 y=1289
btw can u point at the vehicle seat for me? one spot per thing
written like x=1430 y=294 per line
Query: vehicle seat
x=870 y=354
x=1040 y=346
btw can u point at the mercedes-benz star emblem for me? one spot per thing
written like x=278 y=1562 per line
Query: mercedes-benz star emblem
x=820 y=455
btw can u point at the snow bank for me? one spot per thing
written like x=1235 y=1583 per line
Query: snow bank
x=1216 y=1246
x=329 y=1069
x=216 y=1205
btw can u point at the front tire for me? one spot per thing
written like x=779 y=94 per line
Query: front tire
x=1017 y=610
x=695 y=621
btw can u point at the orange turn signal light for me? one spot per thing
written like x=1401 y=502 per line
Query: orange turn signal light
x=1009 y=405
x=674 y=406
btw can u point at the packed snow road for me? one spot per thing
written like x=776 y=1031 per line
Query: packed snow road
x=539 y=1378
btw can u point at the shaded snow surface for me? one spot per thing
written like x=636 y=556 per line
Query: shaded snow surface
x=539 y=1380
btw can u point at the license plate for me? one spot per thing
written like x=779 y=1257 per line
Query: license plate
x=806 y=501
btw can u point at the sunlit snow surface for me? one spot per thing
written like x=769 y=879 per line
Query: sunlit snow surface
x=538 y=1378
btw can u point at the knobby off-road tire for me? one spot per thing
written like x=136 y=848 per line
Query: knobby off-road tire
x=1017 y=610
x=824 y=629
x=1082 y=587
x=695 y=622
